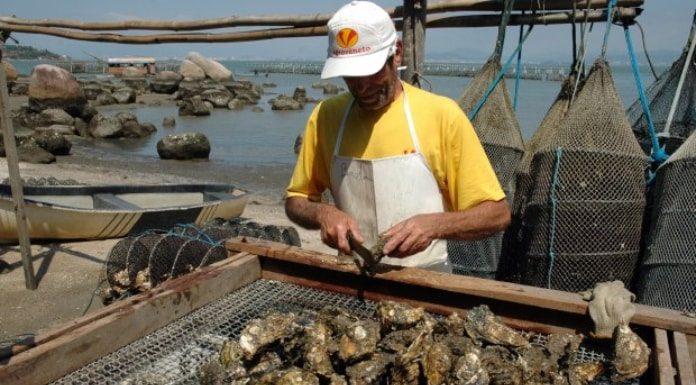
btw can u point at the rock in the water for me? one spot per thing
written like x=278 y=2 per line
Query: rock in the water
x=53 y=142
x=194 y=107
x=166 y=82
x=235 y=105
x=55 y=116
x=124 y=95
x=28 y=150
x=191 y=71
x=54 y=87
x=285 y=103
x=192 y=145
x=218 y=98
x=62 y=129
x=212 y=68
x=10 y=72
x=168 y=121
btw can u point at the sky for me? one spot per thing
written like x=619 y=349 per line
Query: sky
x=666 y=23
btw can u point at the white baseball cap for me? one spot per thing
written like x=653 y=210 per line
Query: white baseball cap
x=361 y=38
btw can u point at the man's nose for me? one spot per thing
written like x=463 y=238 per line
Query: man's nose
x=358 y=84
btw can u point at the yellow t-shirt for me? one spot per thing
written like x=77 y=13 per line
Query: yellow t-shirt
x=447 y=140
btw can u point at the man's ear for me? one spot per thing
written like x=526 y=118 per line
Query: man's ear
x=399 y=55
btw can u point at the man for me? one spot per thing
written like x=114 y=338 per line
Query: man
x=398 y=161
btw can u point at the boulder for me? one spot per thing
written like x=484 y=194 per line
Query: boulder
x=194 y=107
x=25 y=117
x=62 y=129
x=19 y=88
x=55 y=116
x=218 y=98
x=190 y=145
x=29 y=151
x=168 y=121
x=104 y=126
x=105 y=99
x=191 y=71
x=121 y=125
x=93 y=90
x=139 y=83
x=256 y=109
x=53 y=142
x=166 y=82
x=212 y=68
x=300 y=94
x=235 y=105
x=81 y=128
x=54 y=87
x=285 y=103
x=124 y=95
x=10 y=72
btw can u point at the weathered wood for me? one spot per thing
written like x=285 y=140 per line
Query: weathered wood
x=275 y=33
x=683 y=360
x=664 y=372
x=691 y=341
x=303 y=20
x=96 y=335
x=407 y=41
x=413 y=37
x=15 y=180
x=570 y=304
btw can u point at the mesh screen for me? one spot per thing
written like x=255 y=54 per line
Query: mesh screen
x=508 y=268
x=499 y=132
x=584 y=208
x=174 y=353
x=660 y=96
x=669 y=265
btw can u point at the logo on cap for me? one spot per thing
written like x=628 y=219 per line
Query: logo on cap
x=346 y=38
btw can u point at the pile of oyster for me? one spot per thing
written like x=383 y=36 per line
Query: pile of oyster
x=402 y=345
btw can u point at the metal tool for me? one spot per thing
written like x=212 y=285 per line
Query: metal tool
x=369 y=258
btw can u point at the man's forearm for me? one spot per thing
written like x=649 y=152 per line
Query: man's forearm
x=305 y=212
x=480 y=221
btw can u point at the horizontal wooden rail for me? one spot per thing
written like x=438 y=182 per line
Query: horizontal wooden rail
x=626 y=14
x=306 y=20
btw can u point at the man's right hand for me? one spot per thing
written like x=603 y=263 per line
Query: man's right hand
x=333 y=223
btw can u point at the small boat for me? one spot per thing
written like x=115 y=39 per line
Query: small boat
x=112 y=211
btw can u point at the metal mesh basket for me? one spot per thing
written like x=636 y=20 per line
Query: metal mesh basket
x=668 y=271
x=499 y=132
x=660 y=96
x=584 y=211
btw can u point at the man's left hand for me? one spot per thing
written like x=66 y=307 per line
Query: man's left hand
x=410 y=236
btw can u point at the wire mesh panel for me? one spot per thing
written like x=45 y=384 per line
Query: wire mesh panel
x=582 y=223
x=660 y=96
x=508 y=268
x=499 y=132
x=668 y=271
x=175 y=353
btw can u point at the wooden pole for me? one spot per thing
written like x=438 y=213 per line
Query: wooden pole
x=407 y=41
x=413 y=37
x=15 y=179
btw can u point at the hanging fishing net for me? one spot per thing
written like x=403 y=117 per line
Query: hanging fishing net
x=583 y=217
x=139 y=263
x=508 y=269
x=668 y=271
x=660 y=96
x=499 y=133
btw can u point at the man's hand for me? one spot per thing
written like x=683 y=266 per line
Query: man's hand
x=411 y=236
x=334 y=225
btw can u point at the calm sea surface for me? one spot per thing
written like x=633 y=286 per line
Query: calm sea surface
x=251 y=139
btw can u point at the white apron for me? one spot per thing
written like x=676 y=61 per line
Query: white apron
x=382 y=192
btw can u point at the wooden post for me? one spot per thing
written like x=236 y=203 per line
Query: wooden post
x=413 y=37
x=15 y=180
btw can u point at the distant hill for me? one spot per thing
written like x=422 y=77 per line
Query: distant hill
x=29 y=53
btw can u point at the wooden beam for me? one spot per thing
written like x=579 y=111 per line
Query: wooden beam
x=121 y=323
x=664 y=372
x=683 y=360
x=8 y=134
x=413 y=37
x=560 y=301
x=304 y=20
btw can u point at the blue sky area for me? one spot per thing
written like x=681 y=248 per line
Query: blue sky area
x=666 y=24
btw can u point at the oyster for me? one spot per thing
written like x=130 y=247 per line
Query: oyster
x=371 y=371
x=336 y=318
x=584 y=373
x=536 y=365
x=469 y=369
x=230 y=353
x=631 y=354
x=563 y=346
x=398 y=341
x=452 y=325
x=393 y=315
x=407 y=368
x=260 y=333
x=501 y=365
x=295 y=376
x=265 y=363
x=359 y=340
x=481 y=323
x=213 y=373
x=337 y=379
x=437 y=363
x=317 y=357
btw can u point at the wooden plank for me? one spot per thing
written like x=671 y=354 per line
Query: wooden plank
x=664 y=372
x=127 y=321
x=563 y=302
x=682 y=359
x=15 y=179
x=691 y=341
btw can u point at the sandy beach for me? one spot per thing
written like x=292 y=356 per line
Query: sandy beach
x=68 y=273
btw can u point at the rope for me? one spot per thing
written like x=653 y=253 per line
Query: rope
x=658 y=155
x=579 y=65
x=682 y=77
x=645 y=49
x=518 y=69
x=610 y=13
x=503 y=71
x=554 y=208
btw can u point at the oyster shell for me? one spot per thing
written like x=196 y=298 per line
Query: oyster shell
x=563 y=346
x=501 y=365
x=631 y=354
x=393 y=315
x=584 y=373
x=437 y=363
x=398 y=341
x=266 y=362
x=371 y=371
x=317 y=357
x=452 y=325
x=482 y=324
x=469 y=369
x=359 y=340
x=260 y=333
x=339 y=320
